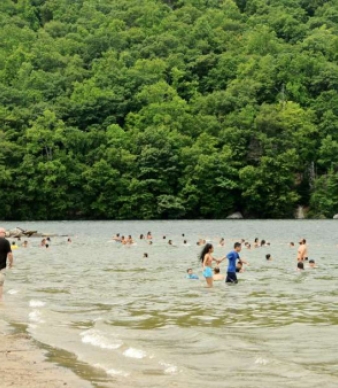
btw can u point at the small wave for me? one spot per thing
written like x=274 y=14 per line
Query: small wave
x=261 y=361
x=36 y=303
x=111 y=371
x=134 y=353
x=97 y=338
x=12 y=292
x=170 y=369
x=35 y=316
x=114 y=372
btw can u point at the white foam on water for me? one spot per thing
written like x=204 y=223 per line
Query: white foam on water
x=12 y=292
x=261 y=361
x=114 y=372
x=36 y=303
x=134 y=353
x=99 y=339
x=169 y=368
x=111 y=371
x=35 y=316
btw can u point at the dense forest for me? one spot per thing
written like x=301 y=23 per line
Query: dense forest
x=144 y=109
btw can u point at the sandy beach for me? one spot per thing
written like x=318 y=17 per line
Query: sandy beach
x=23 y=365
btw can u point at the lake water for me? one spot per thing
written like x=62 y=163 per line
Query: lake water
x=119 y=319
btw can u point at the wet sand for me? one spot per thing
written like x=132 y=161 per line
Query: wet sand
x=23 y=365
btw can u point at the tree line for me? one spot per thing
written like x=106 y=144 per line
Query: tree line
x=128 y=109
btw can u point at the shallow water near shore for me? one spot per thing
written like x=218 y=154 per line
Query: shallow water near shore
x=140 y=323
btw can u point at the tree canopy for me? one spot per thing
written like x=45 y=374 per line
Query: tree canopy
x=124 y=109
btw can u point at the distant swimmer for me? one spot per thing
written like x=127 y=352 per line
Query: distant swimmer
x=141 y=237
x=240 y=265
x=312 y=264
x=232 y=257
x=149 y=236
x=191 y=275
x=217 y=274
x=117 y=237
x=206 y=260
x=43 y=242
x=256 y=242
x=14 y=246
x=69 y=240
x=300 y=266
x=5 y=255
x=145 y=255
x=221 y=242
x=263 y=243
x=291 y=244
x=302 y=251
x=25 y=244
x=268 y=257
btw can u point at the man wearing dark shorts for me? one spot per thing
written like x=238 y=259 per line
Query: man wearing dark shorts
x=5 y=253
x=233 y=256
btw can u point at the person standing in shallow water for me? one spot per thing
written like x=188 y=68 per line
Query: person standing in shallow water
x=232 y=256
x=5 y=254
x=206 y=260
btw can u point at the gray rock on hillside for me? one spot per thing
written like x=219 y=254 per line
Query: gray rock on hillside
x=235 y=216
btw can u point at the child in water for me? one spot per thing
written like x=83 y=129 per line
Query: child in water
x=206 y=260
x=191 y=275
x=217 y=274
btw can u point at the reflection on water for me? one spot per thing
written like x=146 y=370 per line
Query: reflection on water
x=119 y=318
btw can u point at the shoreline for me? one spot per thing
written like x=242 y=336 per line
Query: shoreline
x=24 y=364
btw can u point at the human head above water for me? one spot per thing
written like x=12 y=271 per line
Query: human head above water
x=237 y=246
x=208 y=248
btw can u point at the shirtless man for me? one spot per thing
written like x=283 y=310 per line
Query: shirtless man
x=302 y=251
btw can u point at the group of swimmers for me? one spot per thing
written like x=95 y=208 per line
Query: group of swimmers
x=236 y=264
x=44 y=243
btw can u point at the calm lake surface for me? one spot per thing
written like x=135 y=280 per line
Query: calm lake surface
x=119 y=319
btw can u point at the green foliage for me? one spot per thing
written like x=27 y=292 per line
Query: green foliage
x=121 y=109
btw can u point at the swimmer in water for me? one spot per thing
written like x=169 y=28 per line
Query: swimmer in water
x=145 y=255
x=14 y=246
x=263 y=243
x=25 y=244
x=149 y=236
x=312 y=264
x=268 y=257
x=300 y=266
x=217 y=275
x=206 y=260
x=191 y=275
x=117 y=237
x=291 y=244
x=221 y=242
x=256 y=243
x=302 y=250
x=233 y=256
